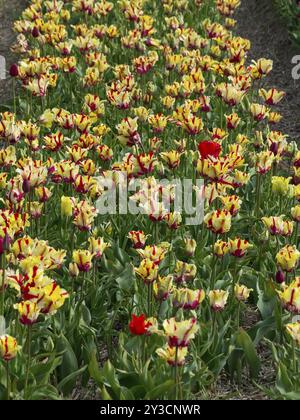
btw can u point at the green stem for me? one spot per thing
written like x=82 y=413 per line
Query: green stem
x=3 y=285
x=238 y=314
x=257 y=194
x=7 y=381
x=29 y=333
x=176 y=374
x=295 y=364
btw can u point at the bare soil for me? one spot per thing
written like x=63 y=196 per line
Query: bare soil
x=259 y=22
x=10 y=10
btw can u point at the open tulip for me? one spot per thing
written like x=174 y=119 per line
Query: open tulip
x=180 y=333
x=218 y=299
x=168 y=354
x=288 y=257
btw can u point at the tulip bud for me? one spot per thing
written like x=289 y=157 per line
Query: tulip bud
x=26 y=186
x=1 y=246
x=6 y=242
x=35 y=32
x=73 y=270
x=280 y=277
x=14 y=70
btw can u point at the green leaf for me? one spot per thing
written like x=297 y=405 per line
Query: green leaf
x=70 y=379
x=244 y=341
x=160 y=390
x=42 y=371
x=69 y=362
x=283 y=382
x=43 y=392
x=126 y=279
x=2 y=325
x=94 y=370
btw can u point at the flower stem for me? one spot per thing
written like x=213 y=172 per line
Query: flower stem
x=29 y=333
x=257 y=194
x=3 y=285
x=7 y=381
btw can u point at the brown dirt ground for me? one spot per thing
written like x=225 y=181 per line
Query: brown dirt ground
x=10 y=10
x=259 y=22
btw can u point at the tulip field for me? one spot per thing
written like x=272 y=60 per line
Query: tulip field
x=149 y=207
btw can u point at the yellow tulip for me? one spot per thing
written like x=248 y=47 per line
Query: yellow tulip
x=288 y=257
x=180 y=333
x=8 y=347
x=218 y=299
x=172 y=356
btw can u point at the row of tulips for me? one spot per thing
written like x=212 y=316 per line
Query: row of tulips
x=144 y=304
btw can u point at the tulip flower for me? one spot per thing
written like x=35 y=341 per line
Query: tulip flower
x=8 y=347
x=173 y=220
x=261 y=68
x=232 y=203
x=184 y=272
x=155 y=253
x=138 y=325
x=264 y=161
x=218 y=299
x=138 y=238
x=258 y=111
x=158 y=122
x=83 y=259
x=168 y=354
x=190 y=246
x=290 y=297
x=209 y=149
x=238 y=247
x=52 y=298
x=218 y=221
x=221 y=248
x=293 y=330
x=232 y=121
x=295 y=212
x=172 y=158
x=97 y=246
x=163 y=287
x=277 y=226
x=187 y=298
x=180 y=333
x=272 y=96
x=128 y=132
x=28 y=312
x=281 y=185
x=287 y=258
x=147 y=270
x=241 y=292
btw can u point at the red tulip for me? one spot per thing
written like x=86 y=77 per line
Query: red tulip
x=14 y=70
x=137 y=325
x=209 y=148
x=35 y=32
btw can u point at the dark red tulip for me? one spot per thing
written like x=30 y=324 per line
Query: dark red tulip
x=35 y=32
x=280 y=277
x=14 y=70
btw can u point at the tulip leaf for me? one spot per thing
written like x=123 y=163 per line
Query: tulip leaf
x=126 y=278
x=283 y=382
x=160 y=390
x=94 y=370
x=70 y=379
x=2 y=325
x=244 y=341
